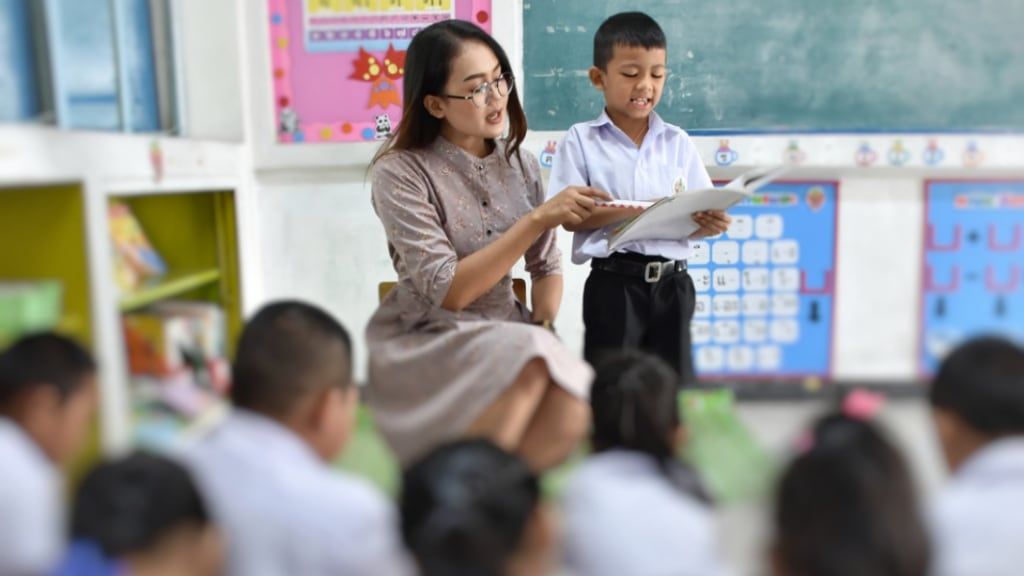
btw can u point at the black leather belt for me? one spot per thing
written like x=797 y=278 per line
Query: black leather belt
x=650 y=271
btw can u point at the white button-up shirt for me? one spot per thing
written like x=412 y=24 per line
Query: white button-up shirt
x=285 y=512
x=978 y=523
x=600 y=155
x=623 y=516
x=31 y=505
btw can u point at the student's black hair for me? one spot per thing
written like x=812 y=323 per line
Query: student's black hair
x=44 y=359
x=633 y=401
x=287 y=350
x=632 y=29
x=428 y=63
x=465 y=508
x=846 y=506
x=982 y=382
x=128 y=505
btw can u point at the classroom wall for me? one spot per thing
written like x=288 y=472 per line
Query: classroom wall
x=320 y=239
x=209 y=69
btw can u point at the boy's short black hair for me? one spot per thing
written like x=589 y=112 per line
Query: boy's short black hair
x=634 y=29
x=288 y=350
x=128 y=505
x=44 y=359
x=982 y=382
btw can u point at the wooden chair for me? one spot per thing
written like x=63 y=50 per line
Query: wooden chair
x=518 y=288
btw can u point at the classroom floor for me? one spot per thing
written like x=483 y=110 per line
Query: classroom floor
x=744 y=512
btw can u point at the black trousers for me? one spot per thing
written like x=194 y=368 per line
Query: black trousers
x=625 y=311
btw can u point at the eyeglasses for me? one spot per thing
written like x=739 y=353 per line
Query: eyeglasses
x=501 y=85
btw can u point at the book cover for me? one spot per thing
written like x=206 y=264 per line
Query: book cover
x=135 y=259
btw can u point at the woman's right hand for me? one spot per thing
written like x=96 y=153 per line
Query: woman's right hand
x=570 y=206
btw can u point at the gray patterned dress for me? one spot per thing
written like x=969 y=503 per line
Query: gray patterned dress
x=432 y=371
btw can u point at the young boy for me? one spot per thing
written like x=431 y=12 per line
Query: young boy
x=640 y=297
x=266 y=470
x=977 y=400
x=142 y=515
x=47 y=398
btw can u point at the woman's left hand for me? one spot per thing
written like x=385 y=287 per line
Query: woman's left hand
x=711 y=222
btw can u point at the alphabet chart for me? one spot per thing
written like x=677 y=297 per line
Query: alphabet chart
x=348 y=25
x=973 y=265
x=338 y=65
x=766 y=288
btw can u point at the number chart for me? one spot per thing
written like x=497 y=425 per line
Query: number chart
x=766 y=288
x=973 y=265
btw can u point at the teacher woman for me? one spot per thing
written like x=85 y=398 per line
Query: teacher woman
x=452 y=352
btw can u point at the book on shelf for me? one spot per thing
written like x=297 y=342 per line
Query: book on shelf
x=135 y=259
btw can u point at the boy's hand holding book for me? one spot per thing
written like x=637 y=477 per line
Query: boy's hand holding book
x=711 y=222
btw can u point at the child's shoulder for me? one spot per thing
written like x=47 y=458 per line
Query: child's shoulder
x=31 y=473
x=353 y=496
x=674 y=131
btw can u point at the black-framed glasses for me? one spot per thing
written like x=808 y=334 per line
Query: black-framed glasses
x=501 y=86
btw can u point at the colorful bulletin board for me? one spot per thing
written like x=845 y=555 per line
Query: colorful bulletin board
x=338 y=64
x=766 y=288
x=973 y=265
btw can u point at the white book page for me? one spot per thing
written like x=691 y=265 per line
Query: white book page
x=672 y=220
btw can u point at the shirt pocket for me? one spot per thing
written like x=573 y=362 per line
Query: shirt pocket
x=667 y=181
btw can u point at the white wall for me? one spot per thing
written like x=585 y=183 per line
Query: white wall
x=209 y=68
x=320 y=239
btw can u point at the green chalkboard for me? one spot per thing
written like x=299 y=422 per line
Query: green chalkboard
x=796 y=65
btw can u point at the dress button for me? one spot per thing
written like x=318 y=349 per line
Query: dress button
x=484 y=203
x=488 y=232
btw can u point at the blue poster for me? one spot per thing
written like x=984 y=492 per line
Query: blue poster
x=973 y=265
x=766 y=288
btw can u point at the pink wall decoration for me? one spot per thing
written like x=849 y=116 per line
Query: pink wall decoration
x=338 y=65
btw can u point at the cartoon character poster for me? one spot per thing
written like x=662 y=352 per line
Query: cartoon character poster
x=338 y=65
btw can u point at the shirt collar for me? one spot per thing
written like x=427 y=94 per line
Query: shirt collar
x=1000 y=457
x=273 y=436
x=14 y=430
x=655 y=124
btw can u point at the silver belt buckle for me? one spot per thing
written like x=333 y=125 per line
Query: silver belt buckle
x=652 y=272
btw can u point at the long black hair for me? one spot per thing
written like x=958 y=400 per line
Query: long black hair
x=465 y=508
x=427 y=67
x=633 y=400
x=846 y=506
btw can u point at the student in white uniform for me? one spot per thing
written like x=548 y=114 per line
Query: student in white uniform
x=469 y=508
x=632 y=508
x=266 y=470
x=47 y=399
x=978 y=407
x=846 y=504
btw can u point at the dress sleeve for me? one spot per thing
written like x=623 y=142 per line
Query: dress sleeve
x=406 y=205
x=543 y=258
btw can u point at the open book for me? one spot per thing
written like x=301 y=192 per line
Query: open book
x=671 y=217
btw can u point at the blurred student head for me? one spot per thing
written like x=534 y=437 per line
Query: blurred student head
x=294 y=364
x=633 y=400
x=142 y=514
x=471 y=509
x=978 y=396
x=48 y=387
x=846 y=506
